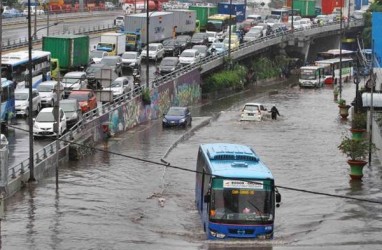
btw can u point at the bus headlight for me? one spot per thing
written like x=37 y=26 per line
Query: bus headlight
x=217 y=235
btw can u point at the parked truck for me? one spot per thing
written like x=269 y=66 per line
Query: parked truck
x=112 y=43
x=202 y=14
x=69 y=52
x=307 y=8
x=184 y=21
x=235 y=9
x=161 y=27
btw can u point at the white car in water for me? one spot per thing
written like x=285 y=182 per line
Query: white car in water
x=253 y=112
x=43 y=125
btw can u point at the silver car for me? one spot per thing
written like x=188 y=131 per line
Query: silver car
x=131 y=59
x=74 y=80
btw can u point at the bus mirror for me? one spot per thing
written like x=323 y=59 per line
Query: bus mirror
x=278 y=199
x=207 y=198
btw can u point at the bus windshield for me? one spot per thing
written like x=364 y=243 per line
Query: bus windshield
x=213 y=25
x=308 y=74
x=237 y=201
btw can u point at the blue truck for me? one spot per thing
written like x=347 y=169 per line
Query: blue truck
x=236 y=9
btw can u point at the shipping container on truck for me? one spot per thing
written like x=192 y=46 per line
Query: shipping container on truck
x=202 y=14
x=113 y=43
x=236 y=9
x=161 y=26
x=329 y=5
x=184 y=20
x=71 y=51
x=307 y=8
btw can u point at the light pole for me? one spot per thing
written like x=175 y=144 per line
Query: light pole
x=46 y=27
x=30 y=103
x=340 y=77
x=30 y=119
x=1 y=50
x=147 y=42
x=229 y=29
x=292 y=5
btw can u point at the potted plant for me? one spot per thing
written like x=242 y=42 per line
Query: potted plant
x=146 y=99
x=357 y=151
x=358 y=125
x=344 y=109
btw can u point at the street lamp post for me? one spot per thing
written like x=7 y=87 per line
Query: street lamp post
x=1 y=49
x=292 y=6
x=30 y=103
x=229 y=29
x=147 y=42
x=30 y=119
x=340 y=77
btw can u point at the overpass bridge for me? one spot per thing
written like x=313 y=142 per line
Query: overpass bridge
x=306 y=41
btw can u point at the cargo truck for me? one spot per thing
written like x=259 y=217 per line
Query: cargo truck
x=184 y=21
x=69 y=52
x=236 y=9
x=202 y=14
x=161 y=27
x=306 y=8
x=113 y=43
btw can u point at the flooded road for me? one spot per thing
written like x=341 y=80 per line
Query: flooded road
x=110 y=201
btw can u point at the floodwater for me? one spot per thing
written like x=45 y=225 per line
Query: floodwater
x=112 y=200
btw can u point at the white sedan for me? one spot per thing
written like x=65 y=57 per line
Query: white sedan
x=189 y=56
x=120 y=86
x=43 y=125
x=253 y=112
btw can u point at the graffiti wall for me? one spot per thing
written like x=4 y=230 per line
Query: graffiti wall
x=183 y=91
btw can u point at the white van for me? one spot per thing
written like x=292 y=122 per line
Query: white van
x=22 y=101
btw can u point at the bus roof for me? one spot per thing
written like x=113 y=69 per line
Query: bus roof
x=337 y=52
x=313 y=67
x=333 y=60
x=22 y=56
x=235 y=161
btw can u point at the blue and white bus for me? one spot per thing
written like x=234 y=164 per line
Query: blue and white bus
x=14 y=67
x=235 y=192
x=7 y=101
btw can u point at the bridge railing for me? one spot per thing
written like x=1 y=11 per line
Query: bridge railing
x=23 y=42
x=76 y=130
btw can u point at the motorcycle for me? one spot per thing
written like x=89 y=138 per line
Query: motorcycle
x=137 y=82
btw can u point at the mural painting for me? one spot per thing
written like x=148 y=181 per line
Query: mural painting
x=183 y=91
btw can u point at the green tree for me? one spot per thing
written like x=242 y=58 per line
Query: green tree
x=366 y=33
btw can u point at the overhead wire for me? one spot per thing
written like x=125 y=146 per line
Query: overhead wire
x=168 y=165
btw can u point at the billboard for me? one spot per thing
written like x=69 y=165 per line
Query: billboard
x=376 y=36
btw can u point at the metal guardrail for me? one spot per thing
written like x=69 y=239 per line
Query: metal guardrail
x=73 y=132
x=51 y=148
x=23 y=42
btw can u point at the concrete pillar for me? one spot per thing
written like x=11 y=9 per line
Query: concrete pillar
x=4 y=168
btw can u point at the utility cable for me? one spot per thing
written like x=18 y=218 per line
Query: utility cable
x=168 y=165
